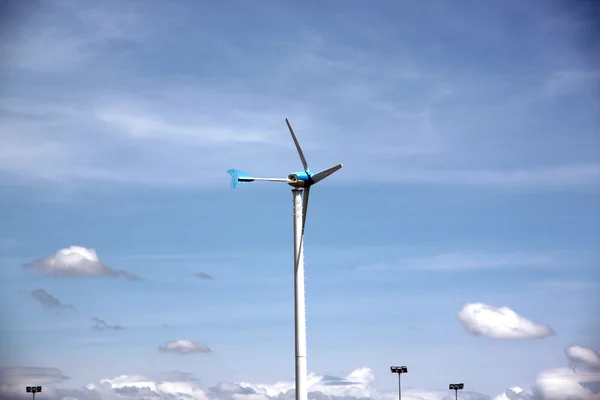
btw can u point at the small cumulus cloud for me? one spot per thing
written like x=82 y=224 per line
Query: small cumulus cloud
x=48 y=301
x=499 y=323
x=184 y=347
x=102 y=325
x=202 y=275
x=76 y=261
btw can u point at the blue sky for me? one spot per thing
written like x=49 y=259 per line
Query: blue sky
x=469 y=137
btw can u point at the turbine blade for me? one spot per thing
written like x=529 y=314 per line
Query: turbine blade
x=319 y=176
x=286 y=180
x=304 y=163
x=305 y=206
x=238 y=177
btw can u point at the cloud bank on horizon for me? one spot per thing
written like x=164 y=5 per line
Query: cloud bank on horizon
x=553 y=384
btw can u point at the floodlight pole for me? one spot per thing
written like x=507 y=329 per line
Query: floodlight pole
x=399 y=370
x=399 y=386
x=33 y=390
x=299 y=299
x=456 y=387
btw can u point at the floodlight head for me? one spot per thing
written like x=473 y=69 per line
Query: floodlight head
x=461 y=385
x=399 y=370
x=39 y=389
x=28 y=389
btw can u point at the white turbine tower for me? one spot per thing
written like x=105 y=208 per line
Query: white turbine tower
x=301 y=183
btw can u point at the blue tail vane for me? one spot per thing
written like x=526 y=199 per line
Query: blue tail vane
x=238 y=177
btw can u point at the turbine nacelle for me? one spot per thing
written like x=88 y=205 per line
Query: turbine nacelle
x=300 y=179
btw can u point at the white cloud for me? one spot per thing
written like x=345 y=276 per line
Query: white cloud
x=515 y=393
x=357 y=384
x=137 y=386
x=184 y=347
x=564 y=383
x=499 y=323
x=583 y=357
x=76 y=261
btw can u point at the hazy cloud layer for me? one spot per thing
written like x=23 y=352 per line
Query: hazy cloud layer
x=468 y=261
x=19 y=376
x=499 y=323
x=102 y=325
x=184 y=347
x=76 y=261
x=348 y=97
x=48 y=301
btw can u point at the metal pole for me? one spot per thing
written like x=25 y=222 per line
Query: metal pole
x=456 y=394
x=299 y=300
x=399 y=386
x=33 y=394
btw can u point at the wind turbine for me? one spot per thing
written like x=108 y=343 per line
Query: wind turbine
x=301 y=183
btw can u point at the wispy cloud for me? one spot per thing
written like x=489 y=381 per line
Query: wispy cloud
x=48 y=301
x=27 y=375
x=564 y=285
x=120 y=117
x=458 y=261
x=102 y=325
x=553 y=177
x=202 y=275
x=44 y=43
